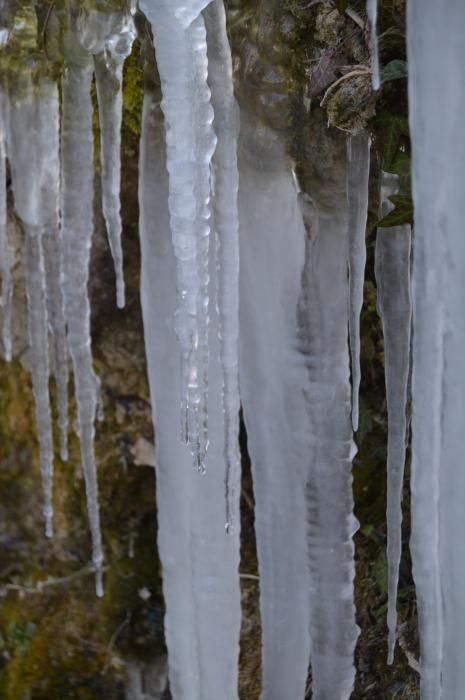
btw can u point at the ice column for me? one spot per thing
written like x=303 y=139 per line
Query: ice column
x=33 y=154
x=226 y=224
x=200 y=562
x=77 y=174
x=392 y=268
x=372 y=12
x=436 y=52
x=181 y=51
x=358 y=170
x=273 y=377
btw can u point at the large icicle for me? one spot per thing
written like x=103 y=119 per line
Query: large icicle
x=77 y=175
x=372 y=12
x=392 y=269
x=34 y=160
x=5 y=254
x=323 y=317
x=436 y=52
x=200 y=563
x=357 y=194
x=181 y=52
x=226 y=223
x=110 y=37
x=272 y=372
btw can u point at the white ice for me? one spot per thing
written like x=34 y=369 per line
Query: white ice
x=372 y=12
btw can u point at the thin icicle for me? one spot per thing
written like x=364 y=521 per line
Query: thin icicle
x=372 y=12
x=52 y=248
x=181 y=52
x=6 y=260
x=392 y=269
x=77 y=225
x=109 y=79
x=226 y=223
x=35 y=180
x=357 y=194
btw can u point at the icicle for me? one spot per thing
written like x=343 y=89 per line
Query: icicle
x=323 y=316
x=182 y=64
x=372 y=12
x=436 y=53
x=392 y=269
x=110 y=38
x=200 y=564
x=357 y=193
x=226 y=222
x=77 y=225
x=5 y=253
x=52 y=249
x=272 y=377
x=33 y=154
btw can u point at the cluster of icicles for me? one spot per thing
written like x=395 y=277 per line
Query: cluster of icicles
x=299 y=318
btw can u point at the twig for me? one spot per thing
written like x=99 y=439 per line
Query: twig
x=112 y=641
x=337 y=82
x=50 y=581
x=250 y=577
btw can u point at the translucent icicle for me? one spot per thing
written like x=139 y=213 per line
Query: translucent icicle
x=272 y=247
x=226 y=223
x=109 y=79
x=5 y=253
x=357 y=194
x=392 y=269
x=200 y=564
x=77 y=226
x=34 y=160
x=38 y=341
x=52 y=248
x=181 y=53
x=323 y=316
x=436 y=53
x=372 y=12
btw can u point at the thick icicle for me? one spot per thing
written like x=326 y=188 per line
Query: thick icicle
x=392 y=269
x=5 y=253
x=110 y=37
x=182 y=64
x=357 y=194
x=34 y=163
x=77 y=174
x=436 y=52
x=226 y=224
x=200 y=564
x=272 y=377
x=52 y=249
x=372 y=12
x=323 y=316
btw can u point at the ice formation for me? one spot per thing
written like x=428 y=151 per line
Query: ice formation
x=436 y=53
x=301 y=284
x=372 y=12
x=392 y=268
x=358 y=170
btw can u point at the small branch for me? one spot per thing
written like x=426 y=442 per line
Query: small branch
x=50 y=581
x=250 y=577
x=112 y=642
x=352 y=74
x=355 y=17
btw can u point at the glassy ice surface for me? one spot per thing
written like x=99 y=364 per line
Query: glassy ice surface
x=394 y=301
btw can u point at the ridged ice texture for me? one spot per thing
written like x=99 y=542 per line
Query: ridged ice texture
x=323 y=316
x=77 y=174
x=394 y=301
x=226 y=225
x=182 y=63
x=110 y=37
x=6 y=261
x=200 y=563
x=372 y=12
x=34 y=159
x=272 y=378
x=358 y=170
x=436 y=53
